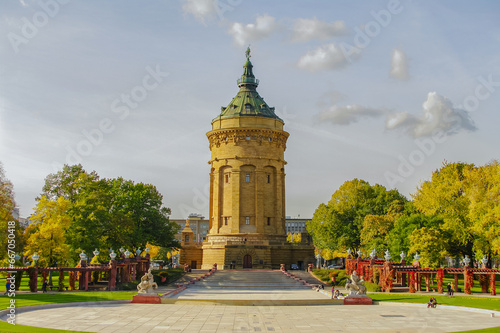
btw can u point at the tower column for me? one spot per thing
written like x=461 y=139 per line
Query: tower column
x=235 y=197
x=259 y=202
x=215 y=211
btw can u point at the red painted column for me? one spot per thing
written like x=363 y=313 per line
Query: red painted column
x=112 y=275
x=493 y=290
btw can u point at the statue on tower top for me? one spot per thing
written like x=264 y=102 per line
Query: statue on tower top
x=247 y=52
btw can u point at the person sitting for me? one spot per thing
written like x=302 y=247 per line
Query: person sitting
x=432 y=303
x=336 y=294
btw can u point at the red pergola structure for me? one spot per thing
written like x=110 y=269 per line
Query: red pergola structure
x=124 y=270
x=413 y=275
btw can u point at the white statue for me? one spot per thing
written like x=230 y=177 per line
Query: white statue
x=355 y=285
x=147 y=283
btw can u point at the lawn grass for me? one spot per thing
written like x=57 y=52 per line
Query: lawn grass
x=7 y=328
x=65 y=297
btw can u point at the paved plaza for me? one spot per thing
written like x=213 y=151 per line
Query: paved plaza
x=255 y=301
x=186 y=317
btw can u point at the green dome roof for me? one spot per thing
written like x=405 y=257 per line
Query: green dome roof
x=248 y=102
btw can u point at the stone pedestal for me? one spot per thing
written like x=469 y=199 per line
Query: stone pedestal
x=146 y=298
x=358 y=300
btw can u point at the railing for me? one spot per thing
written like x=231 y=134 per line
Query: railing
x=248 y=80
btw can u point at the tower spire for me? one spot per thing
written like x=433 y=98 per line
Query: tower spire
x=247 y=79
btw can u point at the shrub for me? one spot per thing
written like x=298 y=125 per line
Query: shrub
x=373 y=287
x=132 y=285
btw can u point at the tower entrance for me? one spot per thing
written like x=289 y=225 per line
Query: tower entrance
x=247 y=261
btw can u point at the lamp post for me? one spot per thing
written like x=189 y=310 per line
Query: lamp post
x=318 y=260
x=387 y=256
x=466 y=261
x=83 y=256
x=373 y=254
x=35 y=258
x=96 y=253
x=484 y=261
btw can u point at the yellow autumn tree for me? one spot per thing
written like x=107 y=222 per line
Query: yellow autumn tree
x=483 y=189
x=46 y=235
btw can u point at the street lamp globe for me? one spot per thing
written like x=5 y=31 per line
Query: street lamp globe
x=35 y=257
x=83 y=256
x=138 y=252
x=112 y=255
x=416 y=257
x=466 y=261
x=96 y=252
x=387 y=255
x=360 y=253
x=127 y=254
x=484 y=261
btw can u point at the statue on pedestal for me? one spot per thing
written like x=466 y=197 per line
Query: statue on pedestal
x=147 y=284
x=355 y=285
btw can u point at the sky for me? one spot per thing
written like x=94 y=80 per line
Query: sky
x=384 y=91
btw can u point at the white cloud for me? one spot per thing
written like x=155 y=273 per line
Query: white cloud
x=399 y=65
x=438 y=114
x=309 y=29
x=345 y=115
x=245 y=34
x=200 y=9
x=329 y=56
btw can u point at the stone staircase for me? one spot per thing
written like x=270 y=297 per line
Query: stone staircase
x=248 y=287
x=248 y=280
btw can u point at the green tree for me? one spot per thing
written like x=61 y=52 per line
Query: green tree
x=337 y=225
x=431 y=243
x=375 y=231
x=68 y=182
x=111 y=212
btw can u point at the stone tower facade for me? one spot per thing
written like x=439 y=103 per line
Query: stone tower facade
x=247 y=185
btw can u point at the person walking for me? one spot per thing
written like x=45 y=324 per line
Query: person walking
x=449 y=289
x=452 y=289
x=7 y=287
x=44 y=286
